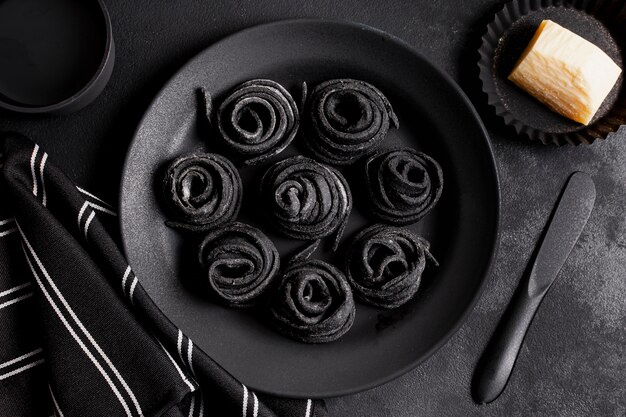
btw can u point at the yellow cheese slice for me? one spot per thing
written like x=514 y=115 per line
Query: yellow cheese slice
x=567 y=73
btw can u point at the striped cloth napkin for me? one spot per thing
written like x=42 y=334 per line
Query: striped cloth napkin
x=78 y=334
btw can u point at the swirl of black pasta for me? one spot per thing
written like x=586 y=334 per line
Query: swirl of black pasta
x=239 y=262
x=343 y=119
x=313 y=302
x=257 y=120
x=403 y=184
x=201 y=191
x=305 y=199
x=384 y=265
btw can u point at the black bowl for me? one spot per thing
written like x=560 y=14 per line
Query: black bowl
x=57 y=56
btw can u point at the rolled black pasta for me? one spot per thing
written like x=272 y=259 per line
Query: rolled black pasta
x=305 y=199
x=238 y=262
x=344 y=118
x=201 y=191
x=313 y=302
x=385 y=264
x=403 y=184
x=257 y=120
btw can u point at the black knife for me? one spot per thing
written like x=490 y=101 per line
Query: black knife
x=568 y=220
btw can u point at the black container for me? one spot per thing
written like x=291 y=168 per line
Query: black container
x=57 y=55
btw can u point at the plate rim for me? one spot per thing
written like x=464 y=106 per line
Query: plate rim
x=486 y=142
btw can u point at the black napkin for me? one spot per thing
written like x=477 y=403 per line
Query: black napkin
x=78 y=334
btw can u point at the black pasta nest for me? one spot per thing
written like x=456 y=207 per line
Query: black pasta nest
x=257 y=120
x=238 y=262
x=343 y=119
x=305 y=199
x=202 y=191
x=313 y=302
x=403 y=184
x=385 y=264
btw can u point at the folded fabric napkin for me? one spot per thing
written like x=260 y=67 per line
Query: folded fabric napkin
x=78 y=334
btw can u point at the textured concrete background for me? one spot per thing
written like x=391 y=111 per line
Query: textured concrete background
x=573 y=362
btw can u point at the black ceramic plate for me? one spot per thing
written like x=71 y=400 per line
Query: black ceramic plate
x=435 y=117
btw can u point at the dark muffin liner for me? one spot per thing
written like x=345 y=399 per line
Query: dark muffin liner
x=602 y=22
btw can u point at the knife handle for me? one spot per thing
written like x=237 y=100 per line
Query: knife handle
x=495 y=365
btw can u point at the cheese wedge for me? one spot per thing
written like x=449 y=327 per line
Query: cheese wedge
x=567 y=73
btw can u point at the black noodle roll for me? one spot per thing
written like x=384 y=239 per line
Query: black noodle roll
x=343 y=119
x=403 y=184
x=305 y=199
x=313 y=302
x=238 y=263
x=385 y=264
x=257 y=120
x=201 y=191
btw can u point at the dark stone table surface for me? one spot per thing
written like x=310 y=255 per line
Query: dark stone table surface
x=573 y=362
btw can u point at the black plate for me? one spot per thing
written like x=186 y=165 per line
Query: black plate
x=435 y=116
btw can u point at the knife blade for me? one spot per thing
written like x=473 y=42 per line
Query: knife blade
x=564 y=228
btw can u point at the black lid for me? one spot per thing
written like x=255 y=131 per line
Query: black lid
x=57 y=55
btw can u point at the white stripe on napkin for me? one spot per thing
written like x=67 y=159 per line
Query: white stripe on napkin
x=15 y=300
x=20 y=358
x=42 y=165
x=88 y=222
x=80 y=325
x=32 y=167
x=8 y=232
x=16 y=288
x=92 y=196
x=124 y=278
x=22 y=369
x=180 y=371
x=132 y=289
x=78 y=339
x=255 y=412
x=57 y=409
x=244 y=412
